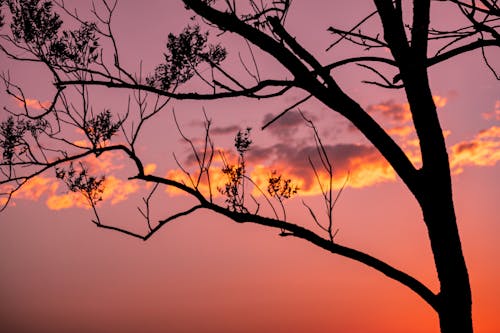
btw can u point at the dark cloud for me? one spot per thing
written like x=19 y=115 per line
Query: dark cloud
x=363 y=162
x=286 y=125
x=465 y=146
x=233 y=129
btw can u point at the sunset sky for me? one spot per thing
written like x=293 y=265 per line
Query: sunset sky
x=204 y=273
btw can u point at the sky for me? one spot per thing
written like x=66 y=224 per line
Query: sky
x=204 y=273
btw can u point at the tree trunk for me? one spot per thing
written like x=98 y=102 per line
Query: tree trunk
x=455 y=300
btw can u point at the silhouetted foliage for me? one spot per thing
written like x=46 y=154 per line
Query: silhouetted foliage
x=81 y=182
x=234 y=188
x=184 y=53
x=101 y=128
x=12 y=137
x=78 y=48
x=34 y=22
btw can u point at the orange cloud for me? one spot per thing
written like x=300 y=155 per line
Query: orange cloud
x=217 y=179
x=364 y=165
x=66 y=200
x=3 y=201
x=440 y=101
x=361 y=173
x=33 y=104
x=403 y=131
x=115 y=191
x=396 y=112
x=483 y=150
x=109 y=161
x=33 y=189
x=36 y=187
x=149 y=168
x=400 y=112
x=493 y=115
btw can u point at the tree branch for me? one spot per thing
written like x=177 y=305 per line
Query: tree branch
x=249 y=92
x=331 y=96
x=344 y=251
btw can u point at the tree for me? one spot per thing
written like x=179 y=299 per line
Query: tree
x=34 y=142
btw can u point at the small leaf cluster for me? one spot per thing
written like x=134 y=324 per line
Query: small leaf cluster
x=234 y=188
x=280 y=187
x=242 y=141
x=101 y=128
x=184 y=53
x=33 y=21
x=35 y=24
x=12 y=135
x=80 y=181
x=2 y=22
x=78 y=47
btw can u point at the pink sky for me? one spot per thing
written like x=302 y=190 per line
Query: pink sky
x=203 y=273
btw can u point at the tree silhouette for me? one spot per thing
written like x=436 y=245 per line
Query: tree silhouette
x=37 y=141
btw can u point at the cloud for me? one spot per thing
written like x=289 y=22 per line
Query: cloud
x=402 y=131
x=493 y=115
x=483 y=150
x=217 y=179
x=107 y=162
x=440 y=101
x=33 y=189
x=33 y=104
x=149 y=168
x=225 y=130
x=286 y=125
x=400 y=112
x=57 y=196
x=363 y=165
x=67 y=200
x=44 y=187
x=115 y=191
x=396 y=112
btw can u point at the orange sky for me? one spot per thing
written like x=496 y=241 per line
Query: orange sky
x=202 y=273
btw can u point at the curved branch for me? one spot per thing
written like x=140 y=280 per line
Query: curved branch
x=153 y=230
x=289 y=229
x=331 y=95
x=248 y=92
x=95 y=151
x=461 y=49
x=300 y=232
x=360 y=59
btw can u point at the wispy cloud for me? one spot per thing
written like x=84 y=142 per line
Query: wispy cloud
x=57 y=196
x=363 y=163
x=285 y=126
x=218 y=130
x=399 y=113
x=392 y=110
x=33 y=104
x=483 y=150
x=493 y=115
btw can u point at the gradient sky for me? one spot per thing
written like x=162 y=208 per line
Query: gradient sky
x=203 y=273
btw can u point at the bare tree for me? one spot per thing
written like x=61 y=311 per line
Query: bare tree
x=34 y=142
